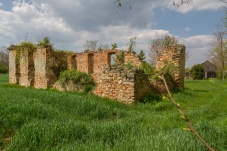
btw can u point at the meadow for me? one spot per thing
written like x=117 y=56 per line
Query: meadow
x=43 y=120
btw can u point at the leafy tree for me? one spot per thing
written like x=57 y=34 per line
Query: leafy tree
x=197 y=71
x=141 y=55
x=46 y=42
x=132 y=44
x=114 y=46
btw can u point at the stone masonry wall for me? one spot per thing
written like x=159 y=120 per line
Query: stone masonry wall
x=115 y=82
x=26 y=68
x=12 y=65
x=44 y=63
x=131 y=58
x=143 y=87
x=175 y=55
x=123 y=85
x=101 y=59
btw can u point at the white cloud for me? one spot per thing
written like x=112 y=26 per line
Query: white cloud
x=1 y=4
x=200 y=5
x=197 y=41
x=69 y=23
x=197 y=47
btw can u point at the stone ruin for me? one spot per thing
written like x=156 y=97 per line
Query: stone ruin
x=41 y=68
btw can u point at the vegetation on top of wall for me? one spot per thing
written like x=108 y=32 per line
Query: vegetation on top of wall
x=65 y=52
x=23 y=46
x=82 y=81
x=46 y=42
x=132 y=44
x=148 y=69
x=120 y=58
x=26 y=45
x=141 y=55
x=114 y=46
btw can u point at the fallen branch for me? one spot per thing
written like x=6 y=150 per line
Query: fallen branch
x=183 y=116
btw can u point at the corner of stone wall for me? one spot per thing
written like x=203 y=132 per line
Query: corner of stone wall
x=44 y=63
x=126 y=86
x=176 y=55
x=13 y=69
x=26 y=68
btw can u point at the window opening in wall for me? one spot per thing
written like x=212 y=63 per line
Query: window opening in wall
x=112 y=58
x=90 y=63
x=74 y=62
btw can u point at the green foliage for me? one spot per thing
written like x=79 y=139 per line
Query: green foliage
x=33 y=119
x=100 y=49
x=141 y=55
x=197 y=71
x=169 y=41
x=148 y=69
x=132 y=44
x=64 y=52
x=221 y=74
x=83 y=82
x=45 y=42
x=3 y=68
x=120 y=57
x=114 y=46
x=150 y=99
x=23 y=46
x=26 y=45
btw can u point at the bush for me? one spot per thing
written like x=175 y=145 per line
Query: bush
x=81 y=81
x=3 y=68
x=148 y=69
x=197 y=71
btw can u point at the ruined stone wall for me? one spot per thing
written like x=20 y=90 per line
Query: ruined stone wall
x=175 y=55
x=95 y=62
x=124 y=85
x=44 y=63
x=143 y=86
x=26 y=67
x=131 y=58
x=12 y=65
x=82 y=62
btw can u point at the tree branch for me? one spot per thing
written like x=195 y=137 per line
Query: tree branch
x=191 y=129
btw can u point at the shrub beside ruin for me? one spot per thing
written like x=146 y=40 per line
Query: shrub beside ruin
x=76 y=81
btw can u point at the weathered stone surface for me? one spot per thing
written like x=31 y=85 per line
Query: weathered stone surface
x=126 y=90
x=42 y=68
x=26 y=68
x=12 y=65
x=175 y=55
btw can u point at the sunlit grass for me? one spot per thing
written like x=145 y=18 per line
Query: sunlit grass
x=32 y=119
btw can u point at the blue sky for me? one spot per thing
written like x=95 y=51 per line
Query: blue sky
x=70 y=23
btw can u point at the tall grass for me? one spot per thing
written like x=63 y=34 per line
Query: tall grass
x=32 y=119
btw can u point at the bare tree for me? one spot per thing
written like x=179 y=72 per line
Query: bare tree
x=90 y=45
x=158 y=45
x=176 y=3
x=4 y=55
x=218 y=51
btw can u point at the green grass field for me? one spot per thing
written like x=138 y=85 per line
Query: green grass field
x=43 y=120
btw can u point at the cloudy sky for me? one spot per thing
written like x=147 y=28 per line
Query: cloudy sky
x=69 y=23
